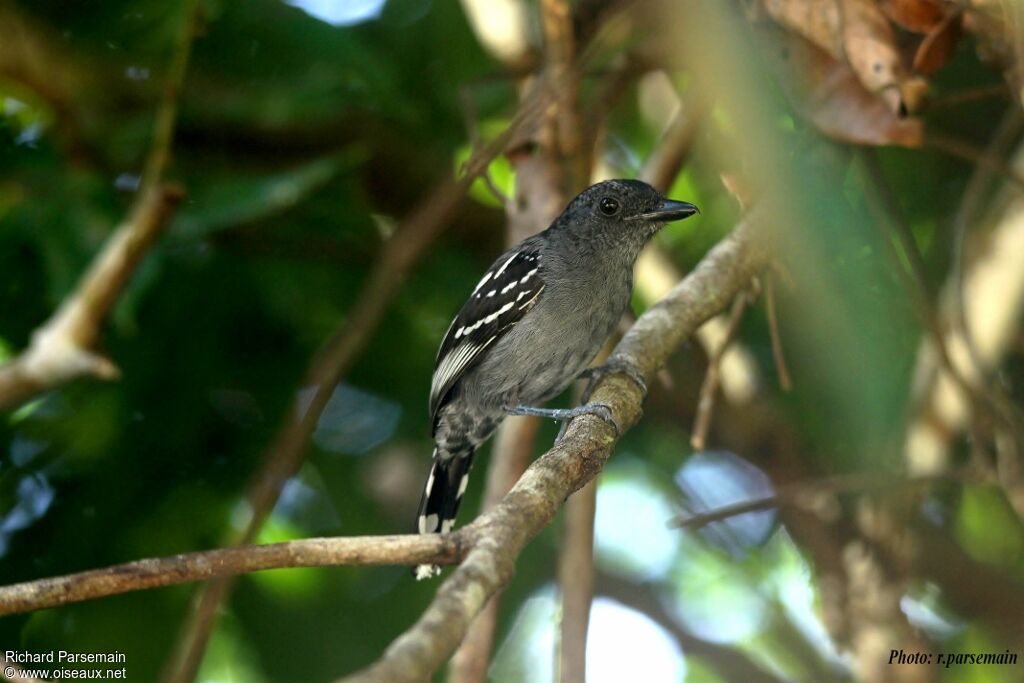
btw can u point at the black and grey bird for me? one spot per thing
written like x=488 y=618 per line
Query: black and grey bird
x=535 y=321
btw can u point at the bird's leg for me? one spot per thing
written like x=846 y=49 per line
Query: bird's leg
x=613 y=366
x=565 y=414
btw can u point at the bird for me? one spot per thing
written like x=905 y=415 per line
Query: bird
x=530 y=327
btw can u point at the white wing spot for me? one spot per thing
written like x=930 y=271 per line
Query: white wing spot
x=492 y=292
x=483 y=281
x=447 y=525
x=527 y=276
x=462 y=485
x=428 y=522
x=508 y=286
x=494 y=316
x=505 y=265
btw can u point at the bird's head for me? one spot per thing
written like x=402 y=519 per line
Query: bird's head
x=629 y=212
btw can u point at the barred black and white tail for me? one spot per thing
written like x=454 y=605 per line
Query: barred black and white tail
x=441 y=497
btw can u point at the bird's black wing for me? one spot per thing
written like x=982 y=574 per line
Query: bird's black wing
x=507 y=291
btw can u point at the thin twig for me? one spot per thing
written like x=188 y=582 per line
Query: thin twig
x=62 y=349
x=969 y=95
x=795 y=494
x=473 y=131
x=167 y=114
x=576 y=583
x=576 y=569
x=559 y=68
x=662 y=167
x=971 y=202
x=968 y=152
x=610 y=90
x=576 y=459
x=732 y=664
x=984 y=396
x=778 y=355
x=510 y=456
x=709 y=387
x=200 y=566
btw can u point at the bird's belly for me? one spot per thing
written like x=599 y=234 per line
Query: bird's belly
x=531 y=365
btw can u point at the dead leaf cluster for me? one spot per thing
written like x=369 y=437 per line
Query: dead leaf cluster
x=859 y=69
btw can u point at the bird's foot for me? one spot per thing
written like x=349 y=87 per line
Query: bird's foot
x=565 y=414
x=613 y=366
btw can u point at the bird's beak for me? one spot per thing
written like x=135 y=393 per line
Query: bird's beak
x=670 y=210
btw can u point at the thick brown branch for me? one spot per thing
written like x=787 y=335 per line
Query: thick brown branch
x=575 y=460
x=167 y=571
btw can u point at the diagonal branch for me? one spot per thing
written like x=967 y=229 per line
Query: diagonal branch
x=63 y=348
x=575 y=460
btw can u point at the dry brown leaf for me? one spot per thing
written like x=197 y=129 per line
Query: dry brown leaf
x=996 y=44
x=919 y=16
x=855 y=31
x=871 y=50
x=938 y=46
x=816 y=20
x=828 y=93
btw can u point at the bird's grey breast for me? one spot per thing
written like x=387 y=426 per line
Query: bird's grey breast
x=575 y=315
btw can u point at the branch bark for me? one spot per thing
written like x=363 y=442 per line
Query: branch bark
x=513 y=447
x=176 y=569
x=575 y=460
x=576 y=583
x=62 y=349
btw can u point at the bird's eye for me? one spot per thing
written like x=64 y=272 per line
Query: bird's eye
x=608 y=206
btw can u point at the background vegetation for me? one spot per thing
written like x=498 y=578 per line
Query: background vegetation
x=314 y=234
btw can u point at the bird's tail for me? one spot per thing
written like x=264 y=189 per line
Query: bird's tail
x=441 y=497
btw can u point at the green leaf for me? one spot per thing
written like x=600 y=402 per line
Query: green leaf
x=987 y=527
x=221 y=202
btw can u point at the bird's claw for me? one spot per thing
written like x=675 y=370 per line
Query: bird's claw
x=613 y=366
x=599 y=410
